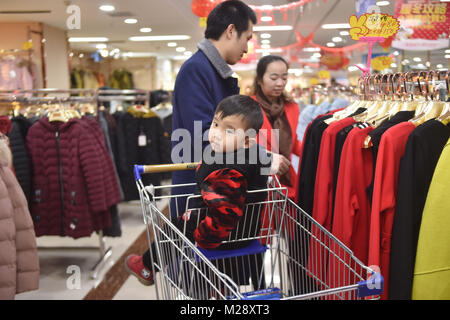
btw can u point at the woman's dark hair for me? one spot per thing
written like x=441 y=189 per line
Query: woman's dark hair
x=229 y=12
x=261 y=70
x=240 y=105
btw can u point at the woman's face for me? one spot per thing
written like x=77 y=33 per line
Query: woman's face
x=274 y=79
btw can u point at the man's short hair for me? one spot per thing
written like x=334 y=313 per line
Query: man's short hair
x=229 y=12
x=244 y=106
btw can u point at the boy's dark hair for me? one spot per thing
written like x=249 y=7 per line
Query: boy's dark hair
x=229 y=12
x=244 y=106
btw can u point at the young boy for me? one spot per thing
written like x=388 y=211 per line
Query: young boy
x=233 y=165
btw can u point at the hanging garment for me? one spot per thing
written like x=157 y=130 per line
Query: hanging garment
x=19 y=261
x=422 y=152
x=392 y=147
x=141 y=142
x=351 y=220
x=14 y=76
x=21 y=159
x=432 y=267
x=377 y=134
x=73 y=186
x=305 y=117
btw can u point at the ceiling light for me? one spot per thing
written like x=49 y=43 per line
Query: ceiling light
x=266 y=36
x=145 y=29
x=447 y=51
x=382 y=3
x=447 y=56
x=336 y=39
x=107 y=8
x=266 y=19
x=159 y=38
x=316 y=55
x=352 y=68
x=336 y=26
x=395 y=53
x=172 y=44
x=139 y=54
x=265 y=41
x=417 y=59
x=439 y=66
x=188 y=53
x=311 y=49
x=344 y=33
x=181 y=49
x=265 y=46
x=88 y=39
x=331 y=44
x=272 y=28
x=130 y=21
x=393 y=65
x=271 y=50
x=101 y=46
x=81 y=55
x=104 y=53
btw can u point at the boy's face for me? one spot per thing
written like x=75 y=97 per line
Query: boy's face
x=228 y=134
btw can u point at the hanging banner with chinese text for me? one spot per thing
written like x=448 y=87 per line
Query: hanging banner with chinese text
x=424 y=25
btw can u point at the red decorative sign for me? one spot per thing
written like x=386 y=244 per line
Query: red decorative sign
x=424 y=25
x=334 y=61
x=202 y=8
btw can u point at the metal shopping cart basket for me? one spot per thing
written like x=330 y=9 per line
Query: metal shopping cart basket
x=287 y=255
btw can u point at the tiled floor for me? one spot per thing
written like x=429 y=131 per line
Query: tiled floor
x=60 y=268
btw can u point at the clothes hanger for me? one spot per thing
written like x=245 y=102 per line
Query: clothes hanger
x=385 y=96
x=58 y=114
x=433 y=108
x=371 y=89
x=444 y=117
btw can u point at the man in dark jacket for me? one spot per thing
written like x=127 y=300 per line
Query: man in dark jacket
x=203 y=81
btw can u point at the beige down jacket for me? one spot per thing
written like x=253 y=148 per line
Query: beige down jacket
x=19 y=262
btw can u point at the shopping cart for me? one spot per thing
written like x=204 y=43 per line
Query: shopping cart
x=287 y=255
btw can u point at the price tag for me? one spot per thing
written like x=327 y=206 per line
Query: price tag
x=142 y=140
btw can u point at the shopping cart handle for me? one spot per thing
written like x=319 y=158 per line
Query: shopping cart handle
x=371 y=287
x=140 y=169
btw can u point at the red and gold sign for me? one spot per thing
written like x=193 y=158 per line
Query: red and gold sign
x=425 y=25
x=373 y=25
x=334 y=61
x=381 y=62
x=202 y=8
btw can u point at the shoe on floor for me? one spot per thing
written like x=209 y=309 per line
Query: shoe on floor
x=135 y=266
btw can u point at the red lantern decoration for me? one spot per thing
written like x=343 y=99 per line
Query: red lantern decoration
x=202 y=8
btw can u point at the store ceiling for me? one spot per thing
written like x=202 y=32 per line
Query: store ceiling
x=174 y=17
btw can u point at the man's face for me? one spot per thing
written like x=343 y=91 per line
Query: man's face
x=239 y=45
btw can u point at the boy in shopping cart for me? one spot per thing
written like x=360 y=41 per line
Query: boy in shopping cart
x=230 y=168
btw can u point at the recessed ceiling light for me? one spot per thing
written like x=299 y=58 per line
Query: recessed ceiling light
x=266 y=36
x=180 y=49
x=336 y=39
x=331 y=44
x=316 y=55
x=130 y=21
x=417 y=59
x=145 y=29
x=271 y=50
x=447 y=51
x=266 y=19
x=88 y=39
x=395 y=53
x=265 y=41
x=138 y=54
x=107 y=8
x=101 y=46
x=382 y=3
x=172 y=44
x=447 y=56
x=265 y=46
x=188 y=53
x=160 y=38
x=344 y=33
x=439 y=66
x=272 y=28
x=311 y=49
x=336 y=26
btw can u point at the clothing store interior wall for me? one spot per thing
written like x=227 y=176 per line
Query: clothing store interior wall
x=49 y=49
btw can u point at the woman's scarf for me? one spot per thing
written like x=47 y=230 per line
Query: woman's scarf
x=277 y=118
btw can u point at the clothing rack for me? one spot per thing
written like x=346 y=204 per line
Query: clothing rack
x=21 y=96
